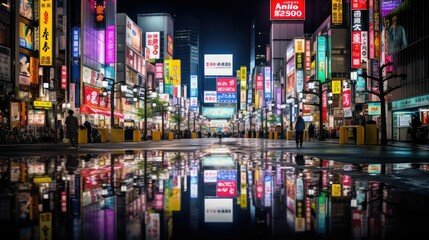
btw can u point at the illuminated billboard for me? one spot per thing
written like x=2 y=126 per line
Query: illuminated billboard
x=218 y=210
x=46 y=33
x=218 y=112
x=218 y=64
x=133 y=36
x=287 y=10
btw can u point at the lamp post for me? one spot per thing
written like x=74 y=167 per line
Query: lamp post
x=319 y=93
x=112 y=98
x=146 y=92
x=382 y=93
x=179 y=120
x=194 y=119
x=282 y=108
x=162 y=119
x=292 y=101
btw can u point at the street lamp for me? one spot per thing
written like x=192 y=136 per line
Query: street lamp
x=293 y=102
x=319 y=93
x=105 y=84
x=179 y=118
x=282 y=108
x=162 y=118
x=381 y=93
x=137 y=96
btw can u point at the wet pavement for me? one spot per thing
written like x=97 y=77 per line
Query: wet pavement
x=203 y=189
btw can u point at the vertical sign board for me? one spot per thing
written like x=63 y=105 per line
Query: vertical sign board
x=110 y=44
x=321 y=58
x=337 y=12
x=46 y=33
x=359 y=38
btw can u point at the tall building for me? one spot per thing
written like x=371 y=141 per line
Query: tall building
x=187 y=49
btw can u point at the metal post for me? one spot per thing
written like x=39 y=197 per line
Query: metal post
x=145 y=114
x=281 y=123
x=162 y=122
x=383 y=139
x=194 y=121
x=266 y=123
x=112 y=105
x=178 y=112
x=320 y=112
x=290 y=114
x=189 y=120
x=262 y=124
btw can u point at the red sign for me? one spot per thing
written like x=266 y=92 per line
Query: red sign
x=359 y=4
x=259 y=82
x=63 y=77
x=287 y=10
x=226 y=188
x=226 y=85
x=346 y=99
x=356 y=49
x=92 y=96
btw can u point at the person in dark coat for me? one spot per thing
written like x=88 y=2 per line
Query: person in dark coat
x=299 y=131
x=415 y=123
x=72 y=125
x=311 y=132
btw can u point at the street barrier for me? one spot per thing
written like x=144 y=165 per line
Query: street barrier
x=371 y=133
x=344 y=134
x=306 y=136
x=117 y=135
x=156 y=135
x=137 y=136
x=104 y=134
x=82 y=135
x=288 y=135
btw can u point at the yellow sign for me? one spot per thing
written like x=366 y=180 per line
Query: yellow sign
x=175 y=72
x=42 y=104
x=243 y=74
x=46 y=34
x=336 y=86
x=337 y=12
x=42 y=180
x=175 y=200
x=336 y=190
x=299 y=45
x=45 y=224
x=243 y=200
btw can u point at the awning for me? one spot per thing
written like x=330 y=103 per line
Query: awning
x=102 y=111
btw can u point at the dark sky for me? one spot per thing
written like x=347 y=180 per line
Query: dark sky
x=225 y=25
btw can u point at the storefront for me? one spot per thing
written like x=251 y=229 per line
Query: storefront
x=402 y=112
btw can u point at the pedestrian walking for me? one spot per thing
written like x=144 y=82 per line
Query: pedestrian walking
x=415 y=123
x=71 y=129
x=311 y=132
x=299 y=131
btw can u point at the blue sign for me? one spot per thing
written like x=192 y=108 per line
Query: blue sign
x=76 y=42
x=226 y=97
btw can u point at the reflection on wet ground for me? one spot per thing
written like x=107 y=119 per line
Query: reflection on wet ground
x=216 y=193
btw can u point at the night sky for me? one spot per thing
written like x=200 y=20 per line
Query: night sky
x=225 y=25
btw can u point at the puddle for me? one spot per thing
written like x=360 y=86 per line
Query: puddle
x=214 y=193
